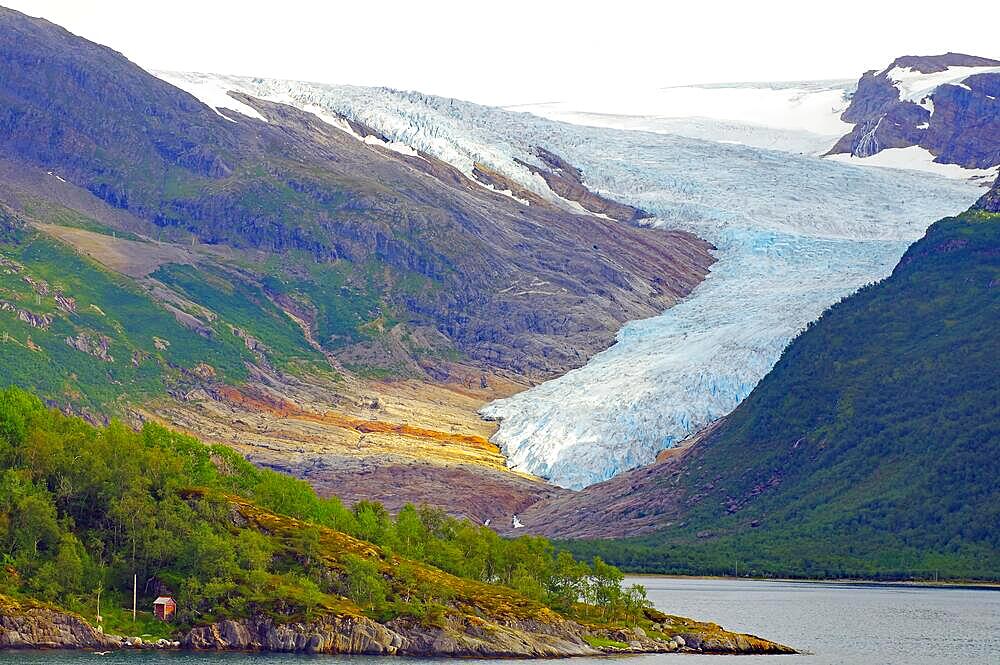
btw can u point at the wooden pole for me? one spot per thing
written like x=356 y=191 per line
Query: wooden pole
x=135 y=585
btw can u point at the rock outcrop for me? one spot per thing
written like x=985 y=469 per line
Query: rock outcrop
x=470 y=637
x=355 y=635
x=566 y=180
x=990 y=201
x=32 y=625
x=359 y=635
x=913 y=102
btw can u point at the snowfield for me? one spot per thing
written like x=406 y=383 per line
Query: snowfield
x=793 y=233
x=801 y=117
x=916 y=158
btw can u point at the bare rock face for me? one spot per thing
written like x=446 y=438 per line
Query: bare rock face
x=471 y=637
x=42 y=321
x=566 y=180
x=356 y=635
x=98 y=346
x=36 y=626
x=468 y=637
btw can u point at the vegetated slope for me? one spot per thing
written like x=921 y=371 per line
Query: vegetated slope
x=83 y=509
x=869 y=450
x=172 y=342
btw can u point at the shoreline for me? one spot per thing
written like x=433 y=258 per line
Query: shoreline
x=33 y=625
x=984 y=585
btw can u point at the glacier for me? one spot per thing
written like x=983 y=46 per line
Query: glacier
x=793 y=235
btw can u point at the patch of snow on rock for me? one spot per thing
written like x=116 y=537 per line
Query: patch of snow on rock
x=914 y=85
x=209 y=90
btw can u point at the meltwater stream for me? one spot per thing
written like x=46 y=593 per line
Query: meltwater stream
x=794 y=233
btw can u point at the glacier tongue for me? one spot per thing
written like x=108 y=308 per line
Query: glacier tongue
x=793 y=234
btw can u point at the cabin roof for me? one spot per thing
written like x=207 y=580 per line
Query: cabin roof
x=163 y=600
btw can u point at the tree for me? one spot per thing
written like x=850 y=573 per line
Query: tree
x=363 y=583
x=410 y=532
x=605 y=587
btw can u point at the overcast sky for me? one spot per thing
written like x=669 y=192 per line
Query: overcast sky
x=521 y=51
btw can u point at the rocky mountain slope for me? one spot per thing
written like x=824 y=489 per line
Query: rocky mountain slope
x=459 y=256
x=990 y=201
x=868 y=450
x=255 y=275
x=945 y=104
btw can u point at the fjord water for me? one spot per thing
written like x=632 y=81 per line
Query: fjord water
x=842 y=624
x=836 y=624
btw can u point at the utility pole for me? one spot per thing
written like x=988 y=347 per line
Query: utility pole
x=135 y=586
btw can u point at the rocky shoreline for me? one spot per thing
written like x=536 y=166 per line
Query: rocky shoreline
x=35 y=625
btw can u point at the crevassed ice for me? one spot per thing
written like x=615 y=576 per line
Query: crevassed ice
x=793 y=234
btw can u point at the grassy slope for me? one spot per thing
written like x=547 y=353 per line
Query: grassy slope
x=343 y=298
x=82 y=508
x=106 y=305
x=198 y=517
x=871 y=448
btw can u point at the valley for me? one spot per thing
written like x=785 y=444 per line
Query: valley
x=792 y=234
x=859 y=455
x=411 y=299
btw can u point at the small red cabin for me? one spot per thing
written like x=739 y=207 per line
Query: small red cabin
x=164 y=608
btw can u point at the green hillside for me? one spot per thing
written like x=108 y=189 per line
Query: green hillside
x=873 y=447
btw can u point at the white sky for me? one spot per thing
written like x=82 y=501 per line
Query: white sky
x=521 y=51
